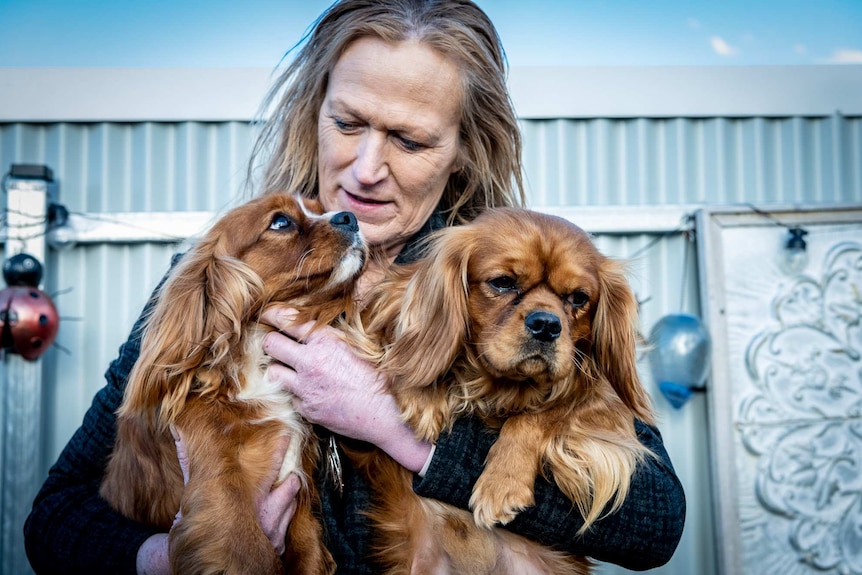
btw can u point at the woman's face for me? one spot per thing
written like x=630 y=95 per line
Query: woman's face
x=388 y=137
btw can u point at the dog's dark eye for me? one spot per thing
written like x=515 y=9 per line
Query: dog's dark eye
x=503 y=284
x=281 y=222
x=578 y=298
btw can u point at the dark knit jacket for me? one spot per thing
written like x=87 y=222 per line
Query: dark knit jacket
x=71 y=529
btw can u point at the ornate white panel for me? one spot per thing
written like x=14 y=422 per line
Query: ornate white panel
x=786 y=392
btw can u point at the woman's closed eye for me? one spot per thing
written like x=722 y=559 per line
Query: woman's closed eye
x=408 y=144
x=344 y=126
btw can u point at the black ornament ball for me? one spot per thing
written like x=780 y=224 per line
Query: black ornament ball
x=22 y=270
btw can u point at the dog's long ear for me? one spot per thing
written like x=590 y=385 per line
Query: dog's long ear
x=194 y=328
x=615 y=339
x=432 y=320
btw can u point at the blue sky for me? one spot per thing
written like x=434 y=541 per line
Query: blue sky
x=213 y=33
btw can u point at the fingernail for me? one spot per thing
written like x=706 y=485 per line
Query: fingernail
x=267 y=341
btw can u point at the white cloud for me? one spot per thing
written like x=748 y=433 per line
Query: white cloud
x=722 y=48
x=846 y=56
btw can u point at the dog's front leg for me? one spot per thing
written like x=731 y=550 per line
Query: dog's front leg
x=219 y=531
x=506 y=485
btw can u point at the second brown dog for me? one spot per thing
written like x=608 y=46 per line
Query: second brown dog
x=518 y=319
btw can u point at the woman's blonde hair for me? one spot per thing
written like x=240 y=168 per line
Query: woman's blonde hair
x=490 y=156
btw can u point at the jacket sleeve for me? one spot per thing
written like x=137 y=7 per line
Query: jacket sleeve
x=71 y=529
x=642 y=534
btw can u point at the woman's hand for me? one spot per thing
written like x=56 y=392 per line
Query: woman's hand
x=334 y=388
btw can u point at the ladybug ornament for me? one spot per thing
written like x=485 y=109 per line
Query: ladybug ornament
x=28 y=317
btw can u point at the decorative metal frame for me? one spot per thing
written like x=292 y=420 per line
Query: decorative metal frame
x=785 y=391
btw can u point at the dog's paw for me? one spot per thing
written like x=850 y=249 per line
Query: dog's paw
x=428 y=425
x=499 y=500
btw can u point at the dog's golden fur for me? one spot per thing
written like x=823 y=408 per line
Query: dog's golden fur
x=518 y=319
x=201 y=370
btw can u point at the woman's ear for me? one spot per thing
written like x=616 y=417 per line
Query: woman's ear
x=615 y=338
x=432 y=323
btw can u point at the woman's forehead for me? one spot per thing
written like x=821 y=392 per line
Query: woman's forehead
x=404 y=82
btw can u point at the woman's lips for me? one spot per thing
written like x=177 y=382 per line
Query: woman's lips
x=365 y=200
x=363 y=203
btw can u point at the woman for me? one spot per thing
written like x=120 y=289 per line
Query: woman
x=395 y=110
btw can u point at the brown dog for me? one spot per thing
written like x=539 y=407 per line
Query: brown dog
x=517 y=319
x=201 y=370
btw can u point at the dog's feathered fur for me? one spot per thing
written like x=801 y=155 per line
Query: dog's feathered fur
x=201 y=370
x=517 y=319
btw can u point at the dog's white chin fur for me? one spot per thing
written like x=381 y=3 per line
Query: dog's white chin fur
x=350 y=265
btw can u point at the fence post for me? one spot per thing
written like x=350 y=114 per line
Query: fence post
x=26 y=190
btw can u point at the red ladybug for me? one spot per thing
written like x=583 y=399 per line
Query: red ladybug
x=29 y=321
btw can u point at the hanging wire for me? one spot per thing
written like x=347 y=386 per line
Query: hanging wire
x=767 y=215
x=686 y=227
x=687 y=246
x=683 y=227
x=685 y=263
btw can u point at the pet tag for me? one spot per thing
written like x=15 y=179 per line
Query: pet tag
x=335 y=465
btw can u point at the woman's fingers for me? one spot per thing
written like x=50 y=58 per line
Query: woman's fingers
x=183 y=457
x=284 y=320
x=182 y=453
x=286 y=345
x=278 y=509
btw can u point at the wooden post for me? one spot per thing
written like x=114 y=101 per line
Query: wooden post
x=21 y=380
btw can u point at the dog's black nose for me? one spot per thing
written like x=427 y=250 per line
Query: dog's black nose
x=345 y=220
x=543 y=325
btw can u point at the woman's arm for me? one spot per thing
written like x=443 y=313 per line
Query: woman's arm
x=642 y=534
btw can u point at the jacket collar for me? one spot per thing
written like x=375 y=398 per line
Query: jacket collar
x=413 y=249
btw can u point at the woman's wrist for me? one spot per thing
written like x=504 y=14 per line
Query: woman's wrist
x=409 y=451
x=153 y=556
x=391 y=434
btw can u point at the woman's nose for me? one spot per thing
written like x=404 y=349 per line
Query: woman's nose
x=370 y=165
